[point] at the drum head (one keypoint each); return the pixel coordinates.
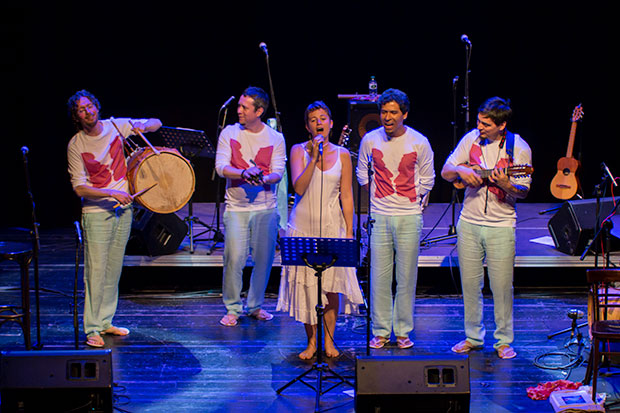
(174, 177)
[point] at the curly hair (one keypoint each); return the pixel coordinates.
(72, 106)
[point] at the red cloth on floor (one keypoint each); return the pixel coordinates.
(544, 390)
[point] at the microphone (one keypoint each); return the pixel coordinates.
(455, 80)
(78, 231)
(25, 150)
(466, 40)
(606, 170)
(263, 46)
(321, 148)
(230, 99)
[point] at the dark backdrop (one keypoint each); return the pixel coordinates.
(180, 61)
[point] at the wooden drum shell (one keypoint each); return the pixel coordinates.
(172, 173)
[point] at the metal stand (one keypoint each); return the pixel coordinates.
(78, 248)
(575, 334)
(603, 228)
(192, 144)
(319, 254)
(35, 250)
(369, 225)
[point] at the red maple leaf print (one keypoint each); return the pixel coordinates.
(405, 181)
(383, 176)
(475, 155)
(98, 174)
(263, 159)
(499, 192)
(118, 165)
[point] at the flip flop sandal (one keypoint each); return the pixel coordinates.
(229, 320)
(378, 342)
(95, 341)
(464, 347)
(116, 331)
(404, 342)
(506, 352)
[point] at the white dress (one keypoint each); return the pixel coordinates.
(298, 284)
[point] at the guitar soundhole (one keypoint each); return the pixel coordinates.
(566, 171)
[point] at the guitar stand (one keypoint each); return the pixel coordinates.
(317, 254)
(194, 143)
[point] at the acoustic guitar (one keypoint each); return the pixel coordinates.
(565, 183)
(518, 171)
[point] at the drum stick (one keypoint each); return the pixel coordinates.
(131, 146)
(146, 140)
(136, 194)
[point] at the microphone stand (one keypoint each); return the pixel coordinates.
(452, 229)
(78, 247)
(36, 248)
(271, 92)
(604, 228)
(218, 236)
(466, 86)
(284, 179)
(369, 225)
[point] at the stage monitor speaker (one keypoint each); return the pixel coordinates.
(419, 383)
(155, 234)
(54, 381)
(573, 226)
(363, 117)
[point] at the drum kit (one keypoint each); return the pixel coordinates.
(161, 179)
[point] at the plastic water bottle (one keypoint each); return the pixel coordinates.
(372, 86)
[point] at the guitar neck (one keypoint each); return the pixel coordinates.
(571, 139)
(485, 173)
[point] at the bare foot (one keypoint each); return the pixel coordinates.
(308, 353)
(331, 351)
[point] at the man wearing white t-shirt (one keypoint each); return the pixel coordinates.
(486, 227)
(252, 158)
(98, 169)
(401, 161)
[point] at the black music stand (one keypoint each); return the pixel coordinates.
(192, 144)
(319, 254)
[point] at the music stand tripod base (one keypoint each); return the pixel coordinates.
(319, 254)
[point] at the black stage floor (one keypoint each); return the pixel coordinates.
(178, 357)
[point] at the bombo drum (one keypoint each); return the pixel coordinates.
(172, 173)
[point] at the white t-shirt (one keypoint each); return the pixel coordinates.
(99, 161)
(403, 170)
(488, 204)
(238, 147)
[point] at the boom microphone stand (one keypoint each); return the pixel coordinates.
(465, 106)
(467, 42)
(263, 46)
(282, 186)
